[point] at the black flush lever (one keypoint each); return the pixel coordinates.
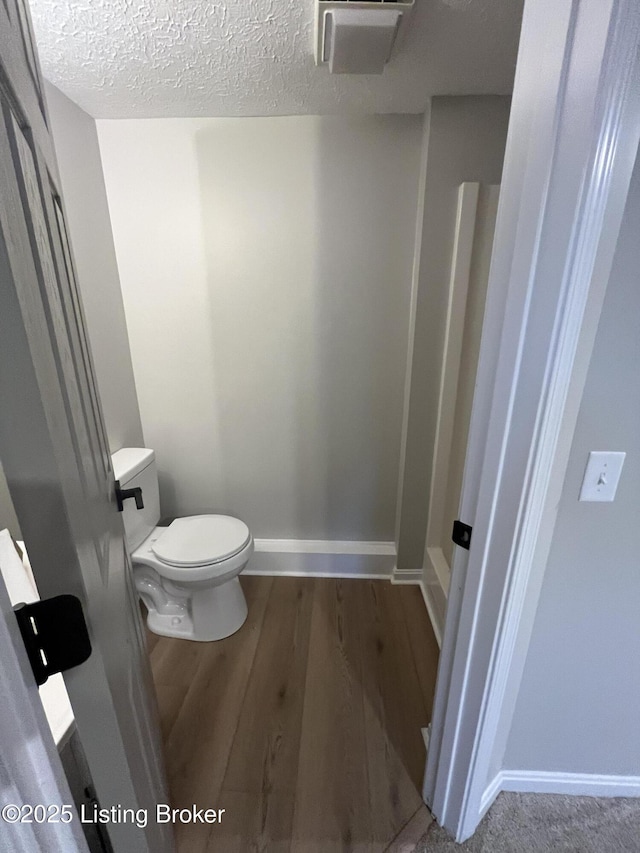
(124, 494)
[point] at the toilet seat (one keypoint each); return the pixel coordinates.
(201, 540)
(217, 571)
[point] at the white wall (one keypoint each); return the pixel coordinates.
(465, 139)
(76, 143)
(266, 271)
(579, 699)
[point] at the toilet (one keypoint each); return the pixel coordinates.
(186, 573)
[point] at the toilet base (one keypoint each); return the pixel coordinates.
(202, 613)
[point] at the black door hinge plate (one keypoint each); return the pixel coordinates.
(461, 534)
(55, 635)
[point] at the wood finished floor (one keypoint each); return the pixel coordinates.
(305, 725)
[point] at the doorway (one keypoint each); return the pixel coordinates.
(462, 798)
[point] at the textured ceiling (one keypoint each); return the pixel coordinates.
(153, 58)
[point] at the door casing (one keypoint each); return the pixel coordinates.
(573, 137)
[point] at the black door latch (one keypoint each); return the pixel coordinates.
(124, 494)
(461, 534)
(54, 634)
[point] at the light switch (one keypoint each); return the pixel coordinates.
(602, 475)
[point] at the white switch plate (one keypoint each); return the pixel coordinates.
(602, 475)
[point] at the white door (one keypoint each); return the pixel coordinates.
(475, 227)
(55, 455)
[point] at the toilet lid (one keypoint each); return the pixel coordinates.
(201, 539)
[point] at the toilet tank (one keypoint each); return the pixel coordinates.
(136, 466)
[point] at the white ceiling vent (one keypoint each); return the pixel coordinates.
(354, 37)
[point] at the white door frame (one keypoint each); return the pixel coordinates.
(572, 142)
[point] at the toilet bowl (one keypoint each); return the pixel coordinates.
(187, 573)
(187, 576)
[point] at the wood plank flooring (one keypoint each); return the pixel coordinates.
(305, 724)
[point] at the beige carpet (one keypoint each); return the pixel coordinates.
(539, 823)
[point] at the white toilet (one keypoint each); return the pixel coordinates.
(187, 573)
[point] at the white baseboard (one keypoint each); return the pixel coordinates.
(491, 792)
(406, 575)
(436, 567)
(573, 784)
(435, 608)
(322, 559)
